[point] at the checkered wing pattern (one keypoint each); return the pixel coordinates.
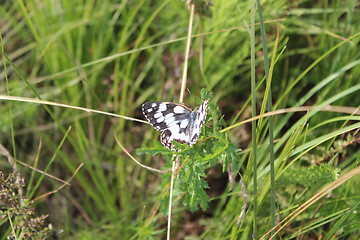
(175, 121)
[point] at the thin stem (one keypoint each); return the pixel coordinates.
(269, 107)
(188, 43)
(9, 104)
(183, 87)
(136, 161)
(253, 104)
(44, 102)
(173, 172)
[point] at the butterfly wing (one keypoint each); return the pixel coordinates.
(170, 118)
(198, 122)
(161, 115)
(175, 121)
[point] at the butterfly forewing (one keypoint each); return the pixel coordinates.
(176, 122)
(162, 114)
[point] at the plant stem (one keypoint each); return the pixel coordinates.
(271, 122)
(182, 91)
(253, 104)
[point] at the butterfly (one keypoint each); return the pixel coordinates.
(175, 121)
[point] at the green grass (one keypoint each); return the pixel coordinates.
(90, 59)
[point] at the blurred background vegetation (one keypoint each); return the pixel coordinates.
(115, 55)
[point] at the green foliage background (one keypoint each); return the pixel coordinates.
(115, 55)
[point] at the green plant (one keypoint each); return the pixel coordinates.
(70, 67)
(16, 211)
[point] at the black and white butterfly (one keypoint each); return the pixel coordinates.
(175, 121)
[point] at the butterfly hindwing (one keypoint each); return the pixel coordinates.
(198, 123)
(175, 121)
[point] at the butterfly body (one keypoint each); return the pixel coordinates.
(175, 121)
